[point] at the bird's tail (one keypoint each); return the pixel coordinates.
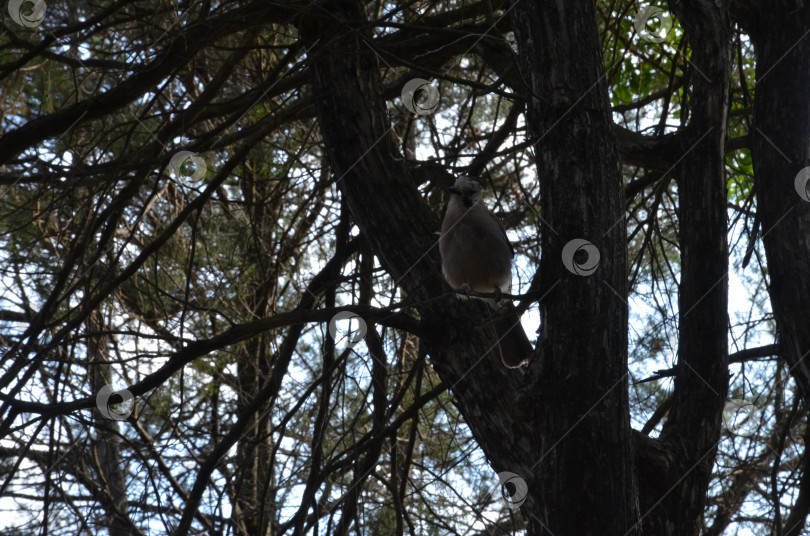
(514, 345)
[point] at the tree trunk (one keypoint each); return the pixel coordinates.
(780, 152)
(781, 130)
(255, 487)
(585, 477)
(692, 429)
(106, 448)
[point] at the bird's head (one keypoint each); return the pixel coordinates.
(467, 189)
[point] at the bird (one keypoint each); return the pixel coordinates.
(477, 256)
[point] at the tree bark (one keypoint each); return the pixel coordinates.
(107, 450)
(781, 129)
(585, 476)
(692, 430)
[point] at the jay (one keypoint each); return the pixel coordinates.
(476, 255)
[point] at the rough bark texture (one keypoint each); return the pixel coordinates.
(585, 478)
(254, 489)
(692, 430)
(780, 151)
(781, 130)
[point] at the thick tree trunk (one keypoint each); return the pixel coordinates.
(780, 32)
(692, 430)
(585, 478)
(781, 150)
